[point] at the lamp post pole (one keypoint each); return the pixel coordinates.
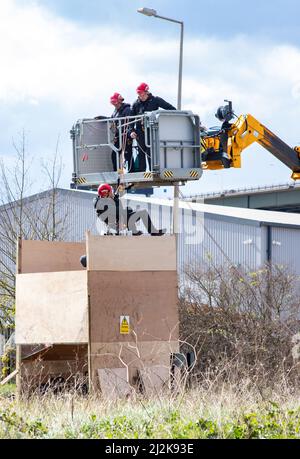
(151, 12)
(180, 67)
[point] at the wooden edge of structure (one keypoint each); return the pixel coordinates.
(9, 377)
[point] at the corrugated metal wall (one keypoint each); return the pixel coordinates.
(286, 247)
(212, 239)
(229, 242)
(77, 208)
(203, 238)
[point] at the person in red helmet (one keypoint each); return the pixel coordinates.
(110, 210)
(145, 102)
(105, 190)
(121, 110)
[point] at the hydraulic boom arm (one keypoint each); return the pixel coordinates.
(222, 148)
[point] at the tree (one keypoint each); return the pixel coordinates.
(242, 323)
(37, 217)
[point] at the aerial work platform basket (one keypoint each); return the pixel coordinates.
(172, 140)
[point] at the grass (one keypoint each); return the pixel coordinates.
(8, 390)
(227, 412)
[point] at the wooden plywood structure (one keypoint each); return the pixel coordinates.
(152, 313)
(65, 363)
(52, 308)
(134, 277)
(114, 294)
(48, 256)
(127, 277)
(144, 253)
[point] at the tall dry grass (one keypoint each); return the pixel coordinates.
(213, 409)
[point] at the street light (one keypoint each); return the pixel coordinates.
(151, 12)
(147, 11)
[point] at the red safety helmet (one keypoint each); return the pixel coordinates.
(143, 87)
(102, 188)
(116, 97)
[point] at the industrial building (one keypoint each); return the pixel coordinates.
(281, 197)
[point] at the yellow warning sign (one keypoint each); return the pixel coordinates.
(124, 325)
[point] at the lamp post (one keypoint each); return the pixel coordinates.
(151, 12)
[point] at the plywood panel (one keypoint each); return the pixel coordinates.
(148, 298)
(155, 379)
(52, 308)
(55, 352)
(113, 382)
(46, 256)
(134, 355)
(140, 253)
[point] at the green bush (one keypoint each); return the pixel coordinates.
(15, 426)
(270, 422)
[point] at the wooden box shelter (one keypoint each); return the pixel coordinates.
(115, 322)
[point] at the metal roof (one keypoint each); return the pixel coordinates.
(264, 217)
(281, 187)
(31, 198)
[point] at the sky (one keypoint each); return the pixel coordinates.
(63, 59)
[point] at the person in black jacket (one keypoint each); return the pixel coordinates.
(121, 110)
(146, 102)
(110, 210)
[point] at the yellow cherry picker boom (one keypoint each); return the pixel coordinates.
(221, 148)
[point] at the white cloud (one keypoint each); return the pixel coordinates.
(51, 62)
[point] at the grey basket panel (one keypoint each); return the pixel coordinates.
(97, 159)
(176, 128)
